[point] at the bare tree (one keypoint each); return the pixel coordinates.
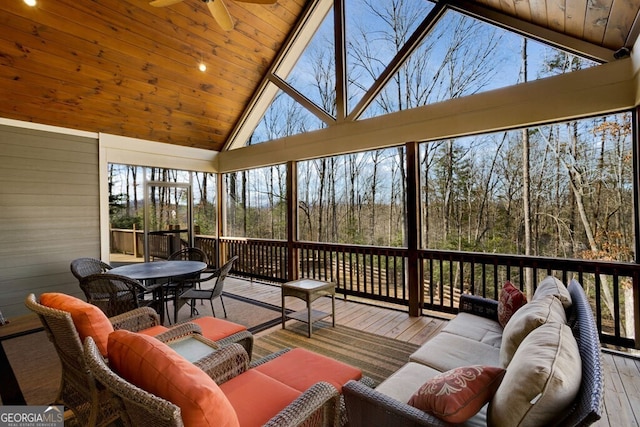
(526, 192)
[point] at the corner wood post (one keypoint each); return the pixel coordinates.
(413, 229)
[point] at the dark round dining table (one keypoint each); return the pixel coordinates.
(144, 271)
(159, 269)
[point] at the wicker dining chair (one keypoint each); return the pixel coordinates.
(82, 267)
(116, 294)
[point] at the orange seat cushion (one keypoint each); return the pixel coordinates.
(256, 397)
(160, 370)
(154, 330)
(88, 319)
(300, 369)
(215, 329)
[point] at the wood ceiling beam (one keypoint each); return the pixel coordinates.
(596, 90)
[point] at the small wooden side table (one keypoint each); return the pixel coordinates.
(308, 290)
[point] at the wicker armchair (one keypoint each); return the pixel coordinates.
(315, 407)
(82, 267)
(78, 389)
(115, 294)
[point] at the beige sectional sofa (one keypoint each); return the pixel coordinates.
(549, 348)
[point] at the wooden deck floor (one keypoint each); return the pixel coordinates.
(622, 378)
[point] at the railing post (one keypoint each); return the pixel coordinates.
(135, 241)
(292, 220)
(413, 228)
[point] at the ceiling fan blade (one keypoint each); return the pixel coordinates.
(221, 14)
(258, 1)
(163, 3)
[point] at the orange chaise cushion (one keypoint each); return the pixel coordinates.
(300, 369)
(154, 330)
(88, 319)
(216, 329)
(257, 397)
(160, 370)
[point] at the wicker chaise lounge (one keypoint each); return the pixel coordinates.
(251, 397)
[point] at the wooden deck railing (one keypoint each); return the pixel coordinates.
(380, 274)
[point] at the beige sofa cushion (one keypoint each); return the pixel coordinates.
(404, 382)
(446, 351)
(477, 328)
(530, 316)
(542, 379)
(552, 286)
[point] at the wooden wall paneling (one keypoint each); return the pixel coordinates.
(575, 17)
(539, 12)
(118, 44)
(119, 59)
(49, 209)
(523, 9)
(556, 15)
(595, 20)
(508, 6)
(621, 18)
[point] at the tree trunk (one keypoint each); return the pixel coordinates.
(526, 189)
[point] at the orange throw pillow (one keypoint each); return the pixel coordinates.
(457, 395)
(157, 368)
(89, 320)
(511, 299)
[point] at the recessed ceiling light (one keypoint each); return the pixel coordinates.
(202, 67)
(30, 2)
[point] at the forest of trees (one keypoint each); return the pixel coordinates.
(561, 189)
(472, 194)
(557, 190)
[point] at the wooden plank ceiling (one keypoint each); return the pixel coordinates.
(126, 68)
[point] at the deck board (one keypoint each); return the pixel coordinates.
(622, 374)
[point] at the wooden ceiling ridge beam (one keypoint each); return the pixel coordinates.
(545, 35)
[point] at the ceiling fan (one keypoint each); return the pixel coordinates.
(216, 7)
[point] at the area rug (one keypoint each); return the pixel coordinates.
(255, 315)
(376, 355)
